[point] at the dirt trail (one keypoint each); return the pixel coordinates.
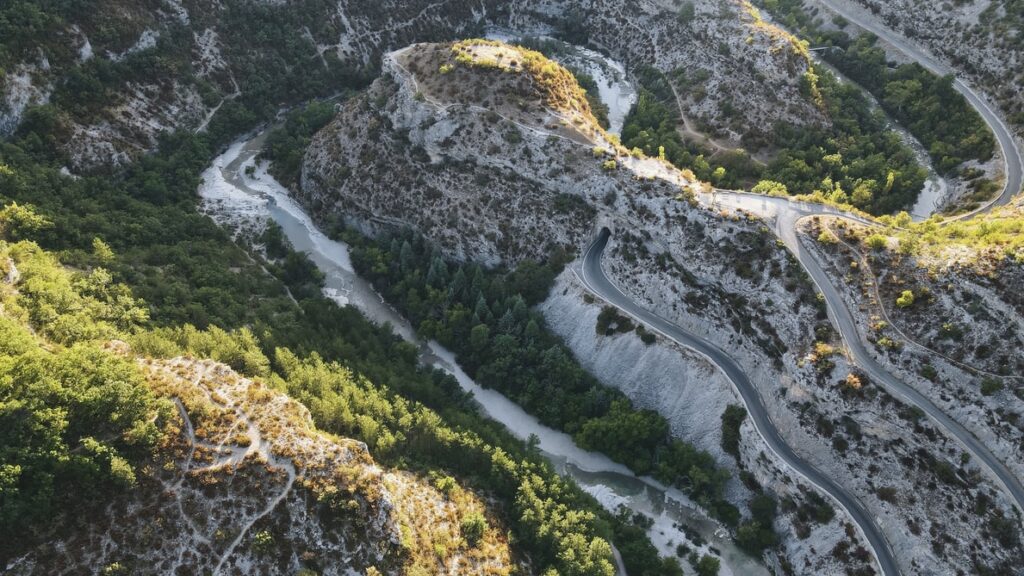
(258, 446)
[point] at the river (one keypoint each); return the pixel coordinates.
(238, 193)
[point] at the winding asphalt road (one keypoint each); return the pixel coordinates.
(595, 280)
(786, 215)
(1004, 136)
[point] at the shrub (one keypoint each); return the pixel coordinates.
(929, 372)
(609, 322)
(115, 569)
(445, 484)
(473, 528)
(732, 419)
(853, 381)
(886, 342)
(875, 241)
(263, 541)
(887, 494)
(990, 386)
(687, 12)
(905, 299)
(707, 566)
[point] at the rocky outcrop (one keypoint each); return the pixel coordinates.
(19, 91)
(243, 481)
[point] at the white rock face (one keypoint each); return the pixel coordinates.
(146, 41)
(19, 92)
(134, 125)
(679, 384)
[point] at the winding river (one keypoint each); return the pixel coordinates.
(238, 193)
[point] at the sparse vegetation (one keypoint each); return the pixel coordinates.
(559, 86)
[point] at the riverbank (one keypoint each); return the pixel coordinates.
(240, 195)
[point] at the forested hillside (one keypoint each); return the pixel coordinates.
(141, 224)
(91, 451)
(951, 131)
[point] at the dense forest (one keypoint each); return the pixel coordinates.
(924, 103)
(73, 418)
(859, 160)
(485, 316)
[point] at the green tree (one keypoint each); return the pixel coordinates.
(473, 528)
(102, 251)
(770, 188)
(876, 242)
(708, 566)
(17, 222)
(732, 419)
(905, 299)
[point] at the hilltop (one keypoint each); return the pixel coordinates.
(510, 80)
(520, 136)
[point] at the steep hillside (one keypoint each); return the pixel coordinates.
(112, 76)
(115, 74)
(186, 465)
(383, 158)
(501, 187)
(242, 480)
(940, 303)
(984, 40)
